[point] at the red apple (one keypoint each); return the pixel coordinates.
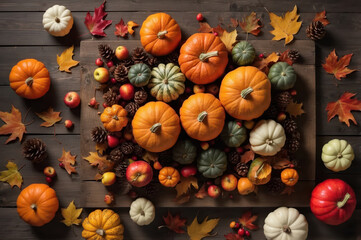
(121, 52)
(49, 179)
(189, 171)
(113, 141)
(99, 62)
(72, 99)
(214, 191)
(68, 124)
(101, 75)
(126, 91)
(139, 173)
(109, 178)
(229, 182)
(110, 64)
(49, 172)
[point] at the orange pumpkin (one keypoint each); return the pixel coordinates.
(37, 204)
(168, 176)
(245, 186)
(202, 116)
(156, 126)
(203, 58)
(114, 118)
(30, 79)
(289, 176)
(245, 93)
(160, 34)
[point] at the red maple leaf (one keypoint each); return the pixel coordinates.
(122, 29)
(321, 17)
(233, 236)
(96, 24)
(247, 220)
(285, 58)
(338, 68)
(174, 223)
(343, 107)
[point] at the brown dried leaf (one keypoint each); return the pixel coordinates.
(264, 63)
(204, 27)
(198, 231)
(13, 125)
(288, 190)
(185, 184)
(69, 161)
(229, 39)
(202, 192)
(250, 24)
(295, 109)
(103, 164)
(321, 17)
(50, 117)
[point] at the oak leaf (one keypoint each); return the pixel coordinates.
(12, 175)
(71, 214)
(174, 223)
(343, 107)
(103, 164)
(50, 117)
(131, 25)
(96, 24)
(229, 39)
(250, 24)
(247, 220)
(295, 109)
(285, 26)
(264, 63)
(121, 29)
(247, 155)
(65, 60)
(338, 68)
(13, 125)
(202, 192)
(185, 184)
(198, 231)
(321, 17)
(233, 236)
(69, 161)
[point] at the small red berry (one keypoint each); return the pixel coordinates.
(239, 124)
(61, 165)
(134, 158)
(200, 17)
(49, 179)
(240, 149)
(292, 165)
(105, 105)
(293, 92)
(215, 34)
(237, 225)
(261, 55)
(209, 183)
(241, 232)
(112, 80)
(99, 62)
(68, 124)
(110, 64)
(93, 103)
(248, 233)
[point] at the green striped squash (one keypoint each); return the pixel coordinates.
(282, 76)
(139, 75)
(233, 135)
(243, 53)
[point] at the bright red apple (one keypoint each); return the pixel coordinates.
(214, 191)
(126, 91)
(139, 173)
(99, 62)
(68, 124)
(49, 172)
(108, 178)
(113, 141)
(188, 171)
(229, 182)
(121, 52)
(101, 75)
(110, 64)
(72, 99)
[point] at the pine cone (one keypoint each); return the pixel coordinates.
(112, 69)
(110, 97)
(138, 151)
(106, 52)
(139, 55)
(34, 149)
(140, 97)
(127, 148)
(271, 112)
(275, 185)
(234, 157)
(153, 62)
(296, 135)
(121, 168)
(121, 73)
(132, 108)
(165, 158)
(99, 135)
(315, 30)
(289, 125)
(127, 62)
(242, 169)
(294, 55)
(282, 100)
(292, 144)
(116, 155)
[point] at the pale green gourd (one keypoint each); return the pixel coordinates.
(282, 76)
(337, 155)
(212, 163)
(233, 135)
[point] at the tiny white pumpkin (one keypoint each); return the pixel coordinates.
(337, 155)
(267, 138)
(285, 224)
(58, 21)
(142, 211)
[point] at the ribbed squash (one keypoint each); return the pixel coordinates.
(212, 163)
(282, 76)
(114, 118)
(139, 75)
(184, 152)
(233, 135)
(243, 53)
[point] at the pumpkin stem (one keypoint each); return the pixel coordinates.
(155, 128)
(33, 206)
(246, 91)
(339, 155)
(57, 20)
(202, 116)
(115, 117)
(162, 34)
(259, 169)
(344, 201)
(29, 81)
(204, 56)
(100, 232)
(283, 74)
(269, 141)
(286, 229)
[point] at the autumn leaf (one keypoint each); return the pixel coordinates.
(288, 190)
(65, 60)
(101, 147)
(285, 58)
(280, 160)
(285, 26)
(174, 223)
(219, 30)
(103, 164)
(12, 175)
(198, 231)
(185, 184)
(229, 39)
(69, 161)
(234, 22)
(121, 29)
(71, 214)
(343, 107)
(183, 198)
(150, 157)
(295, 109)
(96, 24)
(321, 17)
(233, 236)
(247, 220)
(202, 192)
(131, 25)
(204, 27)
(50, 117)
(250, 24)
(13, 124)
(338, 68)
(264, 63)
(247, 155)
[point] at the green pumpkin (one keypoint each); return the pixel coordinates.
(139, 75)
(184, 152)
(233, 135)
(167, 82)
(282, 76)
(212, 163)
(243, 53)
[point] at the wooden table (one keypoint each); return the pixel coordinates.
(22, 36)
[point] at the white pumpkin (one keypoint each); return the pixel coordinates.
(142, 211)
(337, 155)
(285, 224)
(267, 138)
(58, 21)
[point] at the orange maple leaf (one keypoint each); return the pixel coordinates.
(185, 184)
(174, 223)
(204, 27)
(13, 125)
(343, 107)
(247, 220)
(264, 63)
(285, 58)
(321, 17)
(247, 155)
(50, 117)
(65, 60)
(202, 192)
(338, 68)
(103, 164)
(69, 161)
(295, 109)
(131, 25)
(250, 24)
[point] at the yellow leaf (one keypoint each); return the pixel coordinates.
(295, 109)
(198, 231)
(71, 214)
(263, 64)
(13, 124)
(12, 175)
(185, 184)
(50, 117)
(286, 26)
(132, 25)
(65, 60)
(229, 39)
(101, 147)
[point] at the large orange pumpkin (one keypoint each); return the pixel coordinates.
(202, 116)
(245, 93)
(160, 34)
(156, 126)
(203, 58)
(30, 79)
(169, 176)
(37, 204)
(114, 118)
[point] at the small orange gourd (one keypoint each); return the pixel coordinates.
(160, 34)
(169, 176)
(30, 79)
(245, 93)
(202, 116)
(114, 118)
(289, 176)
(245, 186)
